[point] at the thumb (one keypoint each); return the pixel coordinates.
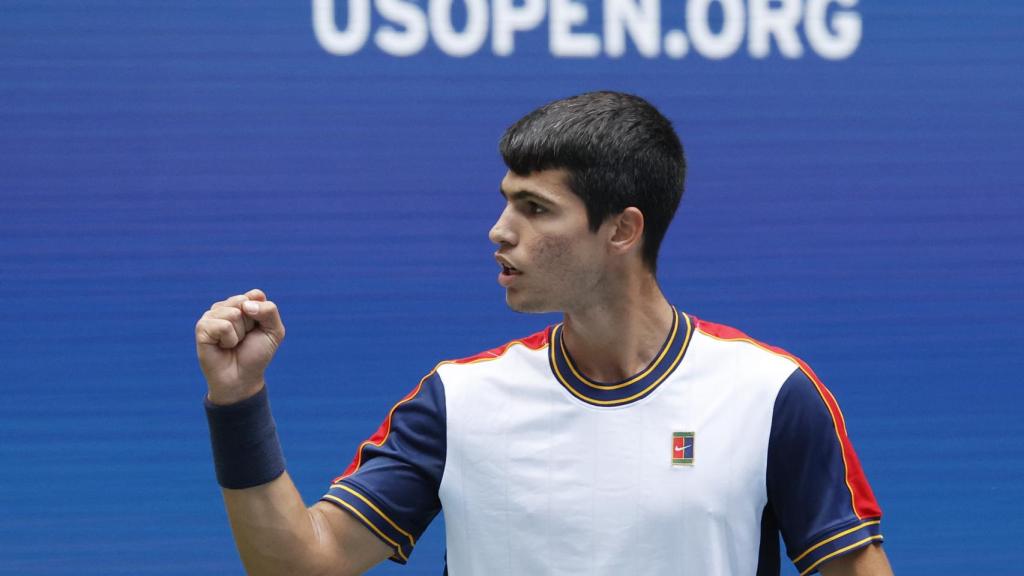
(265, 313)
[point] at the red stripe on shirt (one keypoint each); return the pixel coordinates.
(381, 435)
(862, 499)
(533, 342)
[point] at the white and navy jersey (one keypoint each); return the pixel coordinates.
(692, 467)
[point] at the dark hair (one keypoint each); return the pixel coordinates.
(619, 152)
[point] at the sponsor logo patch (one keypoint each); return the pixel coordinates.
(682, 448)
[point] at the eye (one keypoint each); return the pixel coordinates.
(534, 208)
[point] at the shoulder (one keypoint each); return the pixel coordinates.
(533, 342)
(725, 346)
(737, 339)
(528, 348)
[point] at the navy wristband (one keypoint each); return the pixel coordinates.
(246, 451)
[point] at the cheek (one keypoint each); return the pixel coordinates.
(561, 256)
(551, 251)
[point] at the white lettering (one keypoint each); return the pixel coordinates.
(508, 19)
(781, 22)
(335, 41)
(401, 42)
(643, 21)
(847, 26)
(676, 44)
(709, 44)
(564, 43)
(448, 39)
(713, 29)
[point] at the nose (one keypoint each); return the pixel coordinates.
(502, 233)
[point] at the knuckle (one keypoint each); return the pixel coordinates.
(226, 313)
(227, 302)
(206, 332)
(226, 332)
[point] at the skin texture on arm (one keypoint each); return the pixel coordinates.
(274, 531)
(276, 534)
(868, 561)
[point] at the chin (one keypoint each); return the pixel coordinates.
(526, 306)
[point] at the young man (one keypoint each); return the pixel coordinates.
(632, 438)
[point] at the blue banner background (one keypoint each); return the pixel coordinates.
(157, 156)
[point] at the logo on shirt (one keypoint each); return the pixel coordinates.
(682, 448)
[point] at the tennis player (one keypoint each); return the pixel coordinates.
(631, 438)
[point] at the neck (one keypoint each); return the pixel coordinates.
(619, 336)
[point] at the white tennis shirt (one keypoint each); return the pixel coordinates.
(692, 467)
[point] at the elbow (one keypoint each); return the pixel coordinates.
(328, 554)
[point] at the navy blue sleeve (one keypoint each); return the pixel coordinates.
(393, 481)
(817, 491)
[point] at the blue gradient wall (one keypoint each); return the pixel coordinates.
(862, 211)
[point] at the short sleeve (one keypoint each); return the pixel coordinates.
(392, 484)
(817, 491)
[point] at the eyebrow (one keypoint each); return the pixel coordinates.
(524, 195)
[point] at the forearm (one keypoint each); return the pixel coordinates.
(274, 531)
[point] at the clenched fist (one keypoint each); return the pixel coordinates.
(236, 339)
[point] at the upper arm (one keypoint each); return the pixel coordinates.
(817, 491)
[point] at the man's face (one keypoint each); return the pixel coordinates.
(550, 259)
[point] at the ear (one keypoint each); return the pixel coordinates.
(628, 232)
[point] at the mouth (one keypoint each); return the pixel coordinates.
(508, 271)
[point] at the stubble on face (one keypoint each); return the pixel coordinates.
(563, 277)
